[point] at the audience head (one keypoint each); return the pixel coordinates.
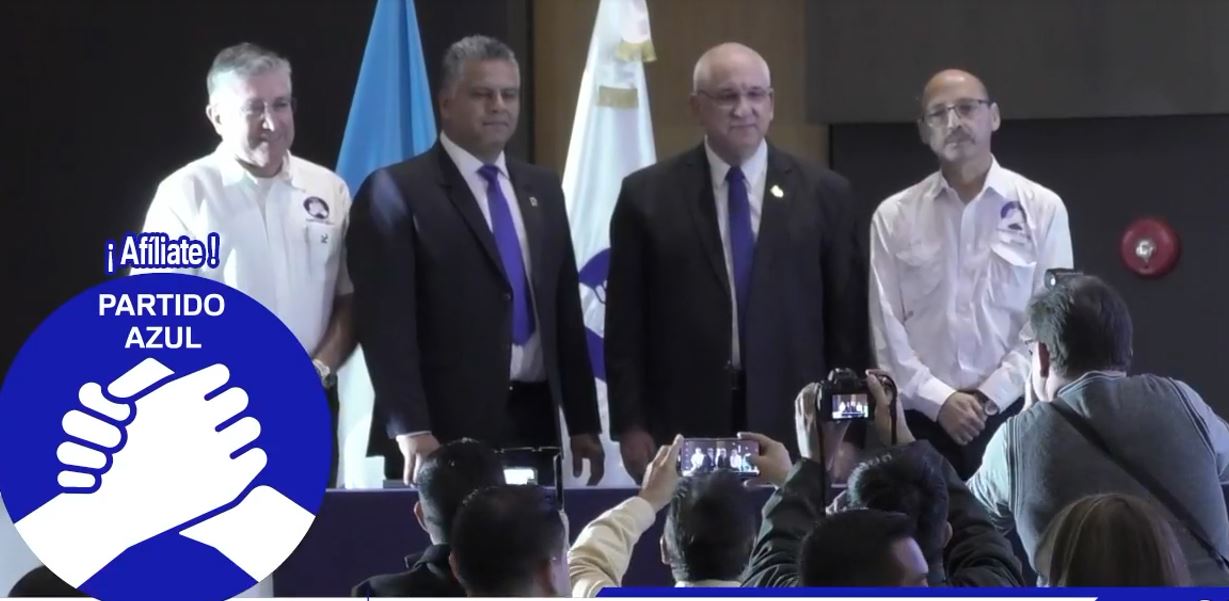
(862, 547)
(710, 528)
(1111, 540)
(510, 541)
(42, 582)
(732, 98)
(907, 480)
(480, 95)
(958, 117)
(447, 476)
(1080, 324)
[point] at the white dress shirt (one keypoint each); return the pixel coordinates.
(950, 283)
(755, 170)
(527, 364)
(281, 239)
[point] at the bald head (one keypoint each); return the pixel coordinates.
(732, 100)
(730, 56)
(958, 118)
(953, 78)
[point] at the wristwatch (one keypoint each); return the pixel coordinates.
(987, 403)
(328, 379)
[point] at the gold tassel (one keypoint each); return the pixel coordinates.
(639, 51)
(620, 98)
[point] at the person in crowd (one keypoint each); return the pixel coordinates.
(957, 540)
(510, 541)
(954, 261)
(1111, 540)
(1084, 435)
(447, 476)
(862, 547)
(710, 525)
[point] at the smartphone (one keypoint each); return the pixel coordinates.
(704, 455)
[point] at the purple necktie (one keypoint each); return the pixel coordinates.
(742, 246)
(509, 247)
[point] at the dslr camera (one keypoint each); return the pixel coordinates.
(845, 397)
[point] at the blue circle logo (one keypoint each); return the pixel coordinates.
(163, 435)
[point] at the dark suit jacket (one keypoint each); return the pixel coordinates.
(429, 576)
(433, 308)
(668, 311)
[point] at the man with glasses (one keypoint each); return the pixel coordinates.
(736, 275)
(281, 220)
(954, 262)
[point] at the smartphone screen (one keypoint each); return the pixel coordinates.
(704, 455)
(521, 475)
(850, 406)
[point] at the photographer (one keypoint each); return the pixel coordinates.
(962, 550)
(710, 525)
(1098, 430)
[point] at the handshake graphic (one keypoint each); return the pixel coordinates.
(154, 461)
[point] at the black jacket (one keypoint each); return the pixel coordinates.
(433, 306)
(429, 576)
(977, 555)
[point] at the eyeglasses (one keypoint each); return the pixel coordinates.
(257, 109)
(965, 109)
(728, 99)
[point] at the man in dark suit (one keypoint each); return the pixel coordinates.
(467, 301)
(446, 477)
(737, 275)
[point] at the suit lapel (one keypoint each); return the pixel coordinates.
(531, 216)
(698, 194)
(459, 194)
(779, 188)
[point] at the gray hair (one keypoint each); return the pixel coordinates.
(243, 60)
(474, 47)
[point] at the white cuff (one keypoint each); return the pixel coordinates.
(930, 397)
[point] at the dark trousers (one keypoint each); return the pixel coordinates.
(334, 411)
(967, 458)
(530, 417)
(738, 402)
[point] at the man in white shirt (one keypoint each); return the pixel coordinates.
(281, 220)
(954, 262)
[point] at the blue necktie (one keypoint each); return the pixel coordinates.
(509, 247)
(742, 246)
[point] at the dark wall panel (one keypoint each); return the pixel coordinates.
(868, 59)
(1109, 172)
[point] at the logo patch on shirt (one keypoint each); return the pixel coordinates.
(1012, 217)
(316, 208)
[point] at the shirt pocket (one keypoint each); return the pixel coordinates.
(921, 271)
(1012, 266)
(324, 241)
